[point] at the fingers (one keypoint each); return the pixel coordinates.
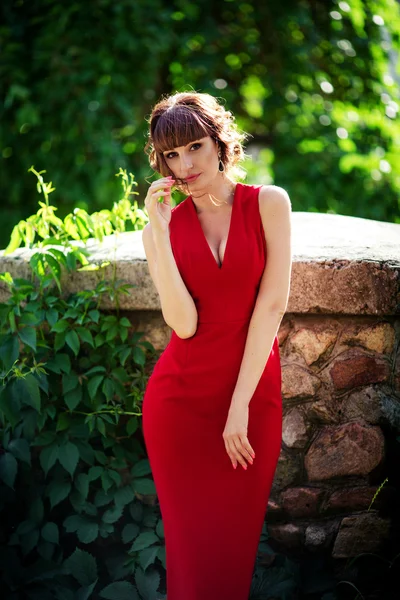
(239, 449)
(157, 190)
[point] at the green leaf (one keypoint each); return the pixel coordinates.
(48, 457)
(144, 540)
(132, 425)
(8, 469)
(85, 336)
(129, 532)
(63, 421)
(29, 541)
(94, 315)
(69, 382)
(10, 405)
(28, 392)
(50, 533)
(95, 473)
(93, 385)
(59, 341)
(119, 590)
(82, 566)
(144, 486)
(85, 592)
(139, 356)
(28, 336)
(88, 532)
(28, 318)
(82, 484)
(100, 426)
(58, 491)
(148, 582)
(115, 476)
(60, 326)
(63, 361)
(113, 514)
(44, 438)
(160, 529)
(73, 398)
(123, 355)
(73, 522)
(124, 496)
(142, 467)
(52, 316)
(108, 389)
(20, 449)
(97, 369)
(72, 341)
(147, 557)
(9, 351)
(125, 322)
(102, 498)
(68, 455)
(106, 481)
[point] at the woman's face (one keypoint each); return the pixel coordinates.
(199, 157)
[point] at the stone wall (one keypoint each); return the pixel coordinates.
(340, 353)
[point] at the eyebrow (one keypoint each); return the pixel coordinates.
(192, 142)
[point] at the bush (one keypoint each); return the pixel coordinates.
(78, 517)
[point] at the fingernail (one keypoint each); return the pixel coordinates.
(244, 467)
(234, 466)
(253, 455)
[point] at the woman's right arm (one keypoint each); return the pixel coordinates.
(177, 305)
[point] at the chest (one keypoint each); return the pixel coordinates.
(216, 233)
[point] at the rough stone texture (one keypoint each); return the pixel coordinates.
(353, 369)
(352, 499)
(341, 265)
(350, 449)
(288, 471)
(301, 501)
(298, 382)
(324, 409)
(294, 429)
(274, 508)
(312, 344)
(289, 535)
(378, 337)
(315, 537)
(362, 405)
(360, 533)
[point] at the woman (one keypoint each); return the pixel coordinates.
(221, 263)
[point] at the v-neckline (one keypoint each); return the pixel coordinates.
(192, 204)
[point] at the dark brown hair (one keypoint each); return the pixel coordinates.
(178, 119)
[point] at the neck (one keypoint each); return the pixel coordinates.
(215, 197)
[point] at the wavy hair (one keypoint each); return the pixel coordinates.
(181, 118)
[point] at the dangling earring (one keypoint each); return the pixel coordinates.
(221, 166)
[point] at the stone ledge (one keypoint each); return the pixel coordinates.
(341, 265)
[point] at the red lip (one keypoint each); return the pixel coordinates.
(192, 177)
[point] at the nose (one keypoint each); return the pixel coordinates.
(186, 162)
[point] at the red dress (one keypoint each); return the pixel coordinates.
(213, 514)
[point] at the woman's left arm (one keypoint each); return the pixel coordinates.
(273, 294)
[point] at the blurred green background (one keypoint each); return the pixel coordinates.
(315, 82)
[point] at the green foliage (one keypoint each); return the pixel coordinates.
(76, 493)
(316, 84)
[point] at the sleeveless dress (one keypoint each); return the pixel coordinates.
(212, 513)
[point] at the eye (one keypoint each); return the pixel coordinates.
(171, 154)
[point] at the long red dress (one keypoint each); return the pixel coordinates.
(213, 514)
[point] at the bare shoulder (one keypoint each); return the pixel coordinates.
(274, 201)
(276, 213)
